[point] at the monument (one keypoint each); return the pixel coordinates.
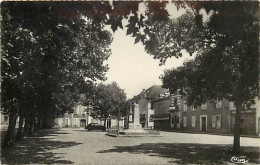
(135, 125)
(135, 128)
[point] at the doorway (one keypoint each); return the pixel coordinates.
(82, 123)
(203, 123)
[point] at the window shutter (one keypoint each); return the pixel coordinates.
(218, 119)
(213, 121)
(193, 120)
(184, 106)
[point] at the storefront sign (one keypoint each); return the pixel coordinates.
(161, 117)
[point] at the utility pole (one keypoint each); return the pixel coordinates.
(118, 117)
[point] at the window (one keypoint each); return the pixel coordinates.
(218, 104)
(204, 106)
(67, 121)
(184, 121)
(218, 121)
(213, 121)
(151, 118)
(76, 122)
(184, 106)
(232, 106)
(177, 119)
(193, 108)
(193, 121)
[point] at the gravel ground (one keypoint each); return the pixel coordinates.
(78, 146)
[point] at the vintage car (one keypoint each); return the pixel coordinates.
(95, 126)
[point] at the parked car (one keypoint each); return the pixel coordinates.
(95, 126)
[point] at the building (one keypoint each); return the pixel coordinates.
(81, 117)
(4, 119)
(172, 112)
(162, 115)
(144, 100)
(209, 117)
(218, 117)
(167, 111)
(250, 119)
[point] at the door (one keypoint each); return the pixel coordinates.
(108, 123)
(203, 124)
(82, 123)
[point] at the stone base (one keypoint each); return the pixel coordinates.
(135, 126)
(130, 132)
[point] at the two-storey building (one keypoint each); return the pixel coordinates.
(173, 112)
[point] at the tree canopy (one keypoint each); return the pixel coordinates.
(109, 101)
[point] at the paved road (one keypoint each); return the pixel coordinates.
(79, 146)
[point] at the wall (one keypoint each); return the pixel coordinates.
(247, 123)
(210, 111)
(161, 107)
(150, 112)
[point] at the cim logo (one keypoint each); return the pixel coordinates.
(239, 160)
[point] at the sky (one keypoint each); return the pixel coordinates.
(131, 67)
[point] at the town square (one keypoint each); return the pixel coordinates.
(78, 146)
(130, 82)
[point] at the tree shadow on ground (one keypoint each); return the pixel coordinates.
(36, 150)
(184, 153)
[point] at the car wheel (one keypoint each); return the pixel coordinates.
(104, 129)
(89, 129)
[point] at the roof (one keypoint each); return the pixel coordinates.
(150, 93)
(154, 91)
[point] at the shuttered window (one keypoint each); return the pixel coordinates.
(193, 121)
(185, 121)
(218, 121)
(213, 121)
(218, 104)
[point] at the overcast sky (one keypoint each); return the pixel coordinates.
(131, 67)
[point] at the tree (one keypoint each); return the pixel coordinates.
(108, 101)
(43, 67)
(227, 64)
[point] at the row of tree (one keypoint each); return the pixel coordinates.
(48, 61)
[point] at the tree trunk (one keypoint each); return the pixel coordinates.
(26, 126)
(236, 143)
(39, 123)
(35, 128)
(20, 129)
(9, 137)
(30, 132)
(105, 122)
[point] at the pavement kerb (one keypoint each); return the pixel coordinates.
(210, 133)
